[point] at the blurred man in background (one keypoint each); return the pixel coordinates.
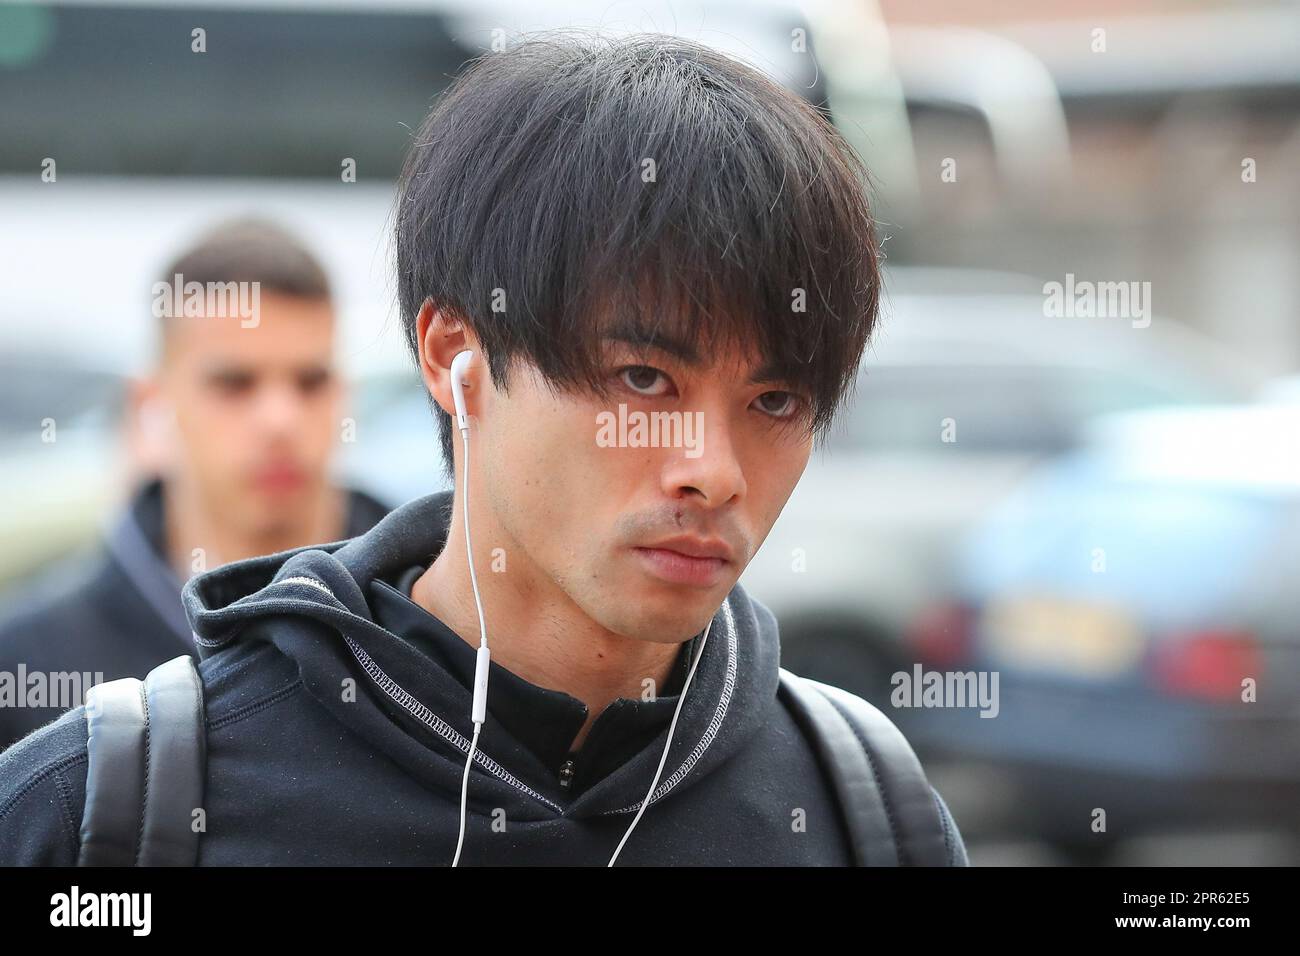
(239, 420)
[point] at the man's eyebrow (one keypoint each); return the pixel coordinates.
(224, 367)
(639, 337)
(644, 338)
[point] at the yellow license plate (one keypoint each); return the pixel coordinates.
(1045, 633)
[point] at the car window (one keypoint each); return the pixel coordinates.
(1087, 392)
(278, 92)
(32, 393)
(906, 408)
(998, 408)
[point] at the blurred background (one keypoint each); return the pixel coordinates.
(1101, 507)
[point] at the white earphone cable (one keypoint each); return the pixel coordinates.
(464, 792)
(664, 756)
(480, 676)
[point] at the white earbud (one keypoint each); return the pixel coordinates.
(459, 366)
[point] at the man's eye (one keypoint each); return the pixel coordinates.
(787, 404)
(232, 384)
(313, 381)
(641, 378)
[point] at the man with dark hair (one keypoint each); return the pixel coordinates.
(248, 400)
(665, 269)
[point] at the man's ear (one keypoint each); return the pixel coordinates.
(149, 425)
(442, 335)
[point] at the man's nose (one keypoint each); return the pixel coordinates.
(710, 468)
(279, 407)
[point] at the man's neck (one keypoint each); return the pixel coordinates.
(534, 629)
(189, 524)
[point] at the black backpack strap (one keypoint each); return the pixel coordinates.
(147, 746)
(893, 815)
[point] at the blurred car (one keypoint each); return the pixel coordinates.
(967, 386)
(59, 443)
(1137, 599)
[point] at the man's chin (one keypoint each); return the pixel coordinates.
(668, 612)
(270, 517)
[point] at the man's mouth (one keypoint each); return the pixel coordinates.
(675, 567)
(279, 478)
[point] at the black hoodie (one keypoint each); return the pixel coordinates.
(334, 740)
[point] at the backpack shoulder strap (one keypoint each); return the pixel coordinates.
(893, 814)
(147, 746)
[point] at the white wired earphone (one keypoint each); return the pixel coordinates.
(459, 367)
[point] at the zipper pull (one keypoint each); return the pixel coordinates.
(566, 773)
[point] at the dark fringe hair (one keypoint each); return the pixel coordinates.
(527, 177)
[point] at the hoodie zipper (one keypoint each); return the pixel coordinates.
(412, 706)
(408, 702)
(567, 771)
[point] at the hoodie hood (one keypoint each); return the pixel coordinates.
(313, 605)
